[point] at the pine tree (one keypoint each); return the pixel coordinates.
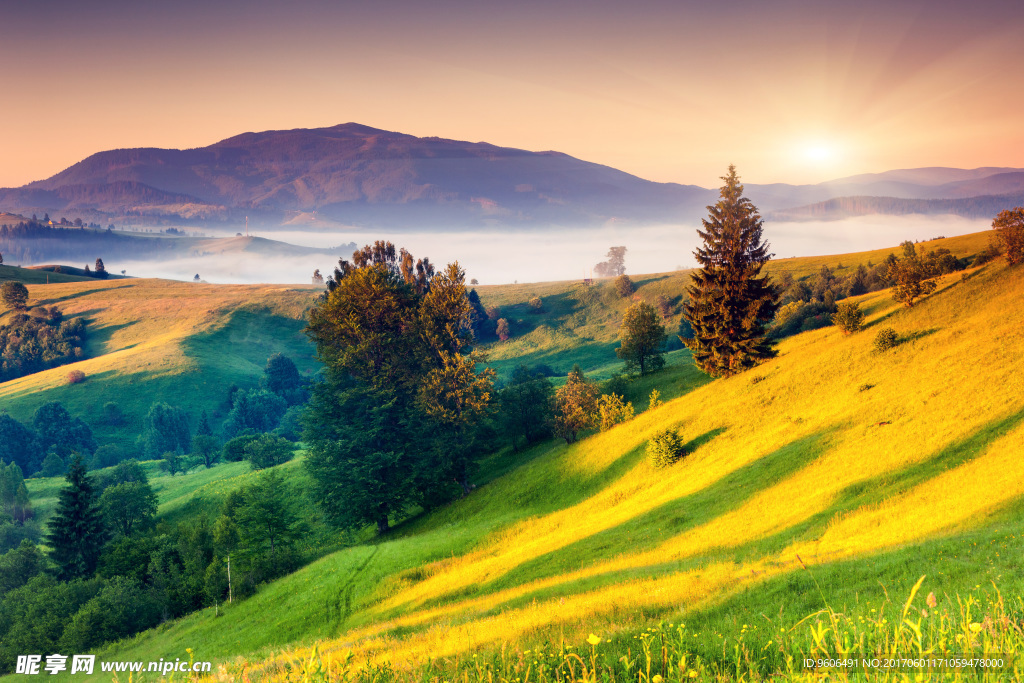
(730, 306)
(76, 532)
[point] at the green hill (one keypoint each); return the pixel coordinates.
(816, 490)
(155, 340)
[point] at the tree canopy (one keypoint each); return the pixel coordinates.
(395, 420)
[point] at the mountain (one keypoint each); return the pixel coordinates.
(353, 174)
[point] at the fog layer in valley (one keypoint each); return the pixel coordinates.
(495, 257)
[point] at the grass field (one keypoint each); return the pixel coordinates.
(818, 488)
(157, 340)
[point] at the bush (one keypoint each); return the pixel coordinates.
(613, 410)
(536, 304)
(849, 318)
(234, 450)
(503, 330)
(53, 466)
(665, 448)
(76, 377)
(886, 339)
(267, 451)
(624, 286)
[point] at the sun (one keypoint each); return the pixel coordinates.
(819, 153)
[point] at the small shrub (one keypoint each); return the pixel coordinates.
(76, 377)
(503, 330)
(536, 304)
(665, 448)
(624, 286)
(654, 400)
(613, 410)
(886, 339)
(757, 379)
(865, 387)
(616, 384)
(848, 317)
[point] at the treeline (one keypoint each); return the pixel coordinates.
(35, 241)
(112, 568)
(39, 340)
(113, 571)
(810, 302)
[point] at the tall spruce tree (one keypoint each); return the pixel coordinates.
(76, 531)
(730, 306)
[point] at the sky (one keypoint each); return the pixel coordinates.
(798, 91)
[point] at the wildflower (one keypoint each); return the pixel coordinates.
(693, 673)
(656, 678)
(593, 640)
(975, 627)
(932, 602)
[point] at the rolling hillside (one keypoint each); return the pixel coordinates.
(157, 340)
(830, 478)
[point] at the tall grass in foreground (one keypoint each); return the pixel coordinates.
(890, 643)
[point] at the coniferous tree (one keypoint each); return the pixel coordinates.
(101, 270)
(730, 306)
(76, 531)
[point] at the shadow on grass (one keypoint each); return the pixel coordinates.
(650, 529)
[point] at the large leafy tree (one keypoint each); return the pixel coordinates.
(60, 432)
(575, 406)
(910, 277)
(526, 405)
(395, 419)
(167, 430)
(76, 530)
(643, 339)
(18, 444)
(129, 507)
(1009, 227)
(730, 306)
(14, 294)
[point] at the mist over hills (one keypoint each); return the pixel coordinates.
(356, 175)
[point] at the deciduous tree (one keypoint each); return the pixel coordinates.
(1009, 227)
(575, 406)
(642, 339)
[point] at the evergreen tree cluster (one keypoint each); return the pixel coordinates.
(402, 414)
(39, 340)
(53, 431)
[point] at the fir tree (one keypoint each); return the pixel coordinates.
(76, 532)
(730, 306)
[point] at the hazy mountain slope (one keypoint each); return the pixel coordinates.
(357, 173)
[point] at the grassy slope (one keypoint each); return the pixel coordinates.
(871, 467)
(157, 340)
(770, 477)
(35, 276)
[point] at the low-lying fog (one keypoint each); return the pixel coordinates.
(499, 257)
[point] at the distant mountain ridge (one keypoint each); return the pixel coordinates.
(353, 174)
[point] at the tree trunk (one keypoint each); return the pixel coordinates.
(382, 525)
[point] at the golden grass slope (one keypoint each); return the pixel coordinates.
(898, 447)
(150, 340)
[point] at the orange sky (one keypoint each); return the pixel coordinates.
(670, 91)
